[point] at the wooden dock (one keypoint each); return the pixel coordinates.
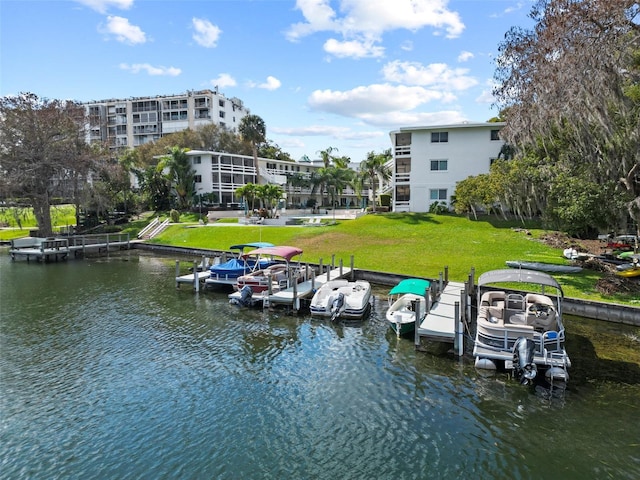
(61, 248)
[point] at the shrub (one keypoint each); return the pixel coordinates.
(174, 215)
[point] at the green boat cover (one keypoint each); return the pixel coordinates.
(416, 286)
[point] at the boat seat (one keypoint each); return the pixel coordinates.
(490, 314)
(515, 301)
(493, 298)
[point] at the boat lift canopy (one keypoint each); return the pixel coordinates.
(520, 276)
(282, 251)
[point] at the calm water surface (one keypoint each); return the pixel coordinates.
(107, 371)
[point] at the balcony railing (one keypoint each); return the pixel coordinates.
(403, 150)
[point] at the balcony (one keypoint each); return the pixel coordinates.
(403, 151)
(402, 178)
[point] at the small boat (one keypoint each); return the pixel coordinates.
(227, 273)
(629, 270)
(256, 286)
(520, 331)
(279, 275)
(341, 299)
(543, 267)
(402, 300)
(573, 254)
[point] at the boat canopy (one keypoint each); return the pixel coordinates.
(282, 251)
(242, 246)
(521, 276)
(417, 286)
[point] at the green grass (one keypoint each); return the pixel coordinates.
(61, 215)
(417, 244)
(17, 222)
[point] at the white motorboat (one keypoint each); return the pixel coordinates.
(402, 300)
(518, 330)
(341, 299)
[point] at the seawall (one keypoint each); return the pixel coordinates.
(611, 312)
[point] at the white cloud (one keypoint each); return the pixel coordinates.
(402, 119)
(366, 19)
(464, 56)
(272, 83)
(123, 30)
(486, 96)
(363, 102)
(343, 133)
(407, 45)
(206, 34)
(438, 75)
(151, 70)
(352, 48)
(224, 80)
(102, 6)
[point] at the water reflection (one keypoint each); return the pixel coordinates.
(128, 377)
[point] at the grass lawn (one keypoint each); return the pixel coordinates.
(418, 244)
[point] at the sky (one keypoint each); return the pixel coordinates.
(322, 74)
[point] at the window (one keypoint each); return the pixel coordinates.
(198, 178)
(221, 103)
(403, 193)
(439, 165)
(439, 137)
(197, 160)
(403, 165)
(221, 113)
(438, 194)
(403, 139)
(495, 134)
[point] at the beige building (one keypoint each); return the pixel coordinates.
(131, 122)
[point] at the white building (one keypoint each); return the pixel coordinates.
(429, 161)
(122, 123)
(223, 173)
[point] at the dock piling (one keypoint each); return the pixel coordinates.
(416, 336)
(352, 271)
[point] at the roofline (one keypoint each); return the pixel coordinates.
(450, 126)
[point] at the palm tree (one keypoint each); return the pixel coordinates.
(375, 170)
(336, 180)
(180, 174)
(253, 130)
(270, 194)
(326, 156)
(249, 193)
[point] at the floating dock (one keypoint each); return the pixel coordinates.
(440, 322)
(292, 296)
(61, 248)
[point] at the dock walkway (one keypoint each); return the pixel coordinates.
(439, 324)
(60, 248)
(291, 296)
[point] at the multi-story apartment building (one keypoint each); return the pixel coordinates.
(131, 122)
(223, 173)
(429, 161)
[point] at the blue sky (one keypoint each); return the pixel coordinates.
(321, 73)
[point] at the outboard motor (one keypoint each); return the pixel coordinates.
(336, 306)
(245, 297)
(524, 368)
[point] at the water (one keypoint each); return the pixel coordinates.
(107, 371)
